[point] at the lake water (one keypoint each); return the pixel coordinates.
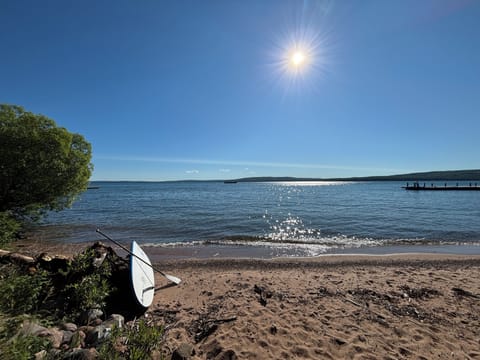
(287, 218)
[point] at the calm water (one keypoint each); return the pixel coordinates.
(310, 218)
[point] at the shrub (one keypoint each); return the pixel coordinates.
(86, 286)
(9, 228)
(23, 293)
(24, 347)
(134, 342)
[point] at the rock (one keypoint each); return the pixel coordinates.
(99, 259)
(67, 337)
(53, 264)
(69, 327)
(78, 339)
(273, 329)
(54, 335)
(183, 352)
(399, 331)
(97, 335)
(31, 328)
(89, 316)
(41, 355)
(81, 354)
(362, 338)
(86, 328)
(115, 320)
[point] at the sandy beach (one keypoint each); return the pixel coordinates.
(403, 306)
(339, 307)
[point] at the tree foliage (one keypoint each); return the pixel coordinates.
(42, 166)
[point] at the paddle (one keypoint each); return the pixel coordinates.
(173, 279)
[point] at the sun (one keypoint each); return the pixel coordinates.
(298, 59)
(299, 62)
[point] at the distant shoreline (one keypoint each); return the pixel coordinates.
(448, 175)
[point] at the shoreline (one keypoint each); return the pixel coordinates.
(33, 245)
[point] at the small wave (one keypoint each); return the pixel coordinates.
(308, 247)
(175, 244)
(428, 242)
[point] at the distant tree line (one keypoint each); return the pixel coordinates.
(449, 175)
(43, 167)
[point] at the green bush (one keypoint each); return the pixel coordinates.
(24, 347)
(9, 228)
(23, 293)
(133, 342)
(86, 285)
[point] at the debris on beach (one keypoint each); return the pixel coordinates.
(464, 293)
(207, 322)
(264, 294)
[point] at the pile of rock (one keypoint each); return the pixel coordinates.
(70, 341)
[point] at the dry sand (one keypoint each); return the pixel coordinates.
(388, 307)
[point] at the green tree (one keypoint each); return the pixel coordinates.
(42, 166)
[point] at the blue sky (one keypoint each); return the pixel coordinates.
(175, 89)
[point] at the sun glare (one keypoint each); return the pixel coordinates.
(298, 58)
(299, 61)
(301, 51)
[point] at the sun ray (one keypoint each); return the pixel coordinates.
(299, 56)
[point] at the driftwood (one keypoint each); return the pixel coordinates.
(56, 262)
(15, 258)
(352, 302)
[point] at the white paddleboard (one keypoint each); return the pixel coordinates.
(142, 277)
